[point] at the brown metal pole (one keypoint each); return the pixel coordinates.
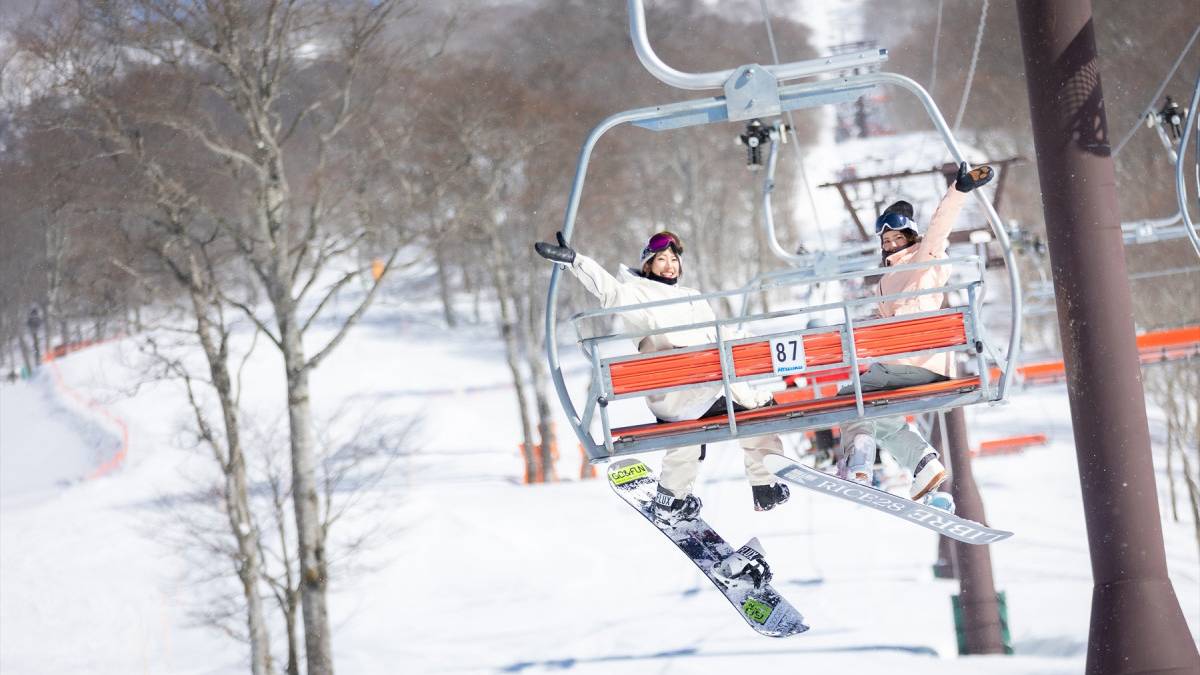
(976, 589)
(862, 229)
(945, 567)
(1136, 622)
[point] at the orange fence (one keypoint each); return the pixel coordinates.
(1004, 446)
(1153, 347)
(586, 470)
(50, 359)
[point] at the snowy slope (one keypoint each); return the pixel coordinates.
(49, 446)
(477, 573)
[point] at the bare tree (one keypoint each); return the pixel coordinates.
(224, 442)
(353, 462)
(277, 97)
(1175, 388)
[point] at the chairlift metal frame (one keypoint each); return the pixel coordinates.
(754, 91)
(1190, 124)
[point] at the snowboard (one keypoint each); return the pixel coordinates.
(741, 575)
(937, 520)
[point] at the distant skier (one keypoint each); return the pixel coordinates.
(657, 279)
(901, 243)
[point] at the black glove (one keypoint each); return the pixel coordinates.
(969, 180)
(560, 254)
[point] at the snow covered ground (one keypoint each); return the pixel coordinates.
(475, 573)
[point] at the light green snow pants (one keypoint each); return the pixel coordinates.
(891, 433)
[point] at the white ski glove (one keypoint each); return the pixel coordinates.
(763, 398)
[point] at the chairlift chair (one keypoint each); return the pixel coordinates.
(755, 91)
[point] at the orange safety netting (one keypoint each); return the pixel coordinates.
(51, 359)
(820, 349)
(643, 431)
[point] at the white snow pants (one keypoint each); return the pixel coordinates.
(893, 434)
(680, 466)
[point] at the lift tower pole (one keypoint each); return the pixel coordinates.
(1136, 622)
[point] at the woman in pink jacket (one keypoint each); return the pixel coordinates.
(901, 243)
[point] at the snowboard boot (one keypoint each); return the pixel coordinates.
(670, 511)
(858, 460)
(939, 500)
(927, 476)
(767, 497)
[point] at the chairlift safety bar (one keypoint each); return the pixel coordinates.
(784, 282)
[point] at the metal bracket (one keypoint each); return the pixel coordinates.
(752, 91)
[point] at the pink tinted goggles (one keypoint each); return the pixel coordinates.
(660, 242)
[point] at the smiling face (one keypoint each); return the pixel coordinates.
(892, 240)
(665, 264)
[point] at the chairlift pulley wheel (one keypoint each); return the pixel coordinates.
(1171, 118)
(754, 138)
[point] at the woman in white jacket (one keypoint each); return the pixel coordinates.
(657, 279)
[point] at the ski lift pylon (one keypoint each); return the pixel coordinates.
(752, 91)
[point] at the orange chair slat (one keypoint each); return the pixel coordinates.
(784, 409)
(754, 358)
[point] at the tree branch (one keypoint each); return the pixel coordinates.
(253, 318)
(355, 316)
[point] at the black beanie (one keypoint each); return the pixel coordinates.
(901, 207)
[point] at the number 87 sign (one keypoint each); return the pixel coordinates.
(787, 354)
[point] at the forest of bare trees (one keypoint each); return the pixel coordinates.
(230, 168)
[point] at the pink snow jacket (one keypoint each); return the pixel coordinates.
(932, 246)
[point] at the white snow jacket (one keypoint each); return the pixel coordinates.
(628, 288)
(932, 246)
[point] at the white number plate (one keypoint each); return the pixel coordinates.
(787, 354)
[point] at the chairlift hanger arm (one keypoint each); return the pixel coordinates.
(717, 79)
(1180, 182)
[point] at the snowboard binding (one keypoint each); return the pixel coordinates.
(746, 564)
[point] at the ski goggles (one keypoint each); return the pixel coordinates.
(893, 221)
(661, 242)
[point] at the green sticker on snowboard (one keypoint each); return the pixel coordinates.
(757, 611)
(628, 473)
